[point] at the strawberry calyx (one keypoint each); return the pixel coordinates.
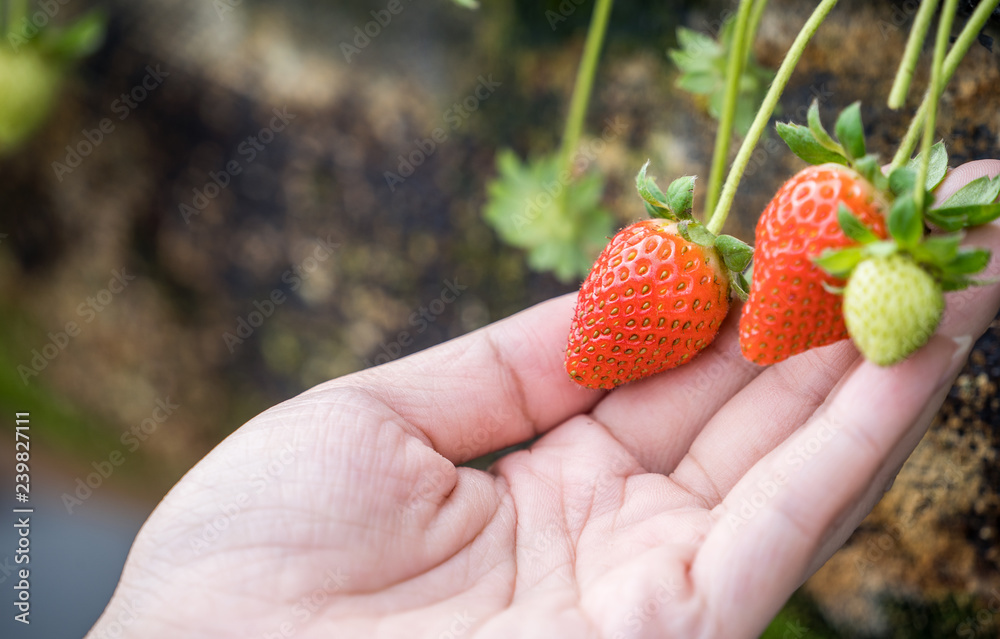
(676, 204)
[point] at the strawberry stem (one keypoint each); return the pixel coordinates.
(962, 44)
(937, 65)
(738, 52)
(582, 88)
(901, 85)
(721, 211)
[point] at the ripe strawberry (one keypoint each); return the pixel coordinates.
(790, 310)
(892, 306)
(652, 301)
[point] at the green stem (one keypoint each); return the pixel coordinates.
(723, 135)
(962, 44)
(755, 17)
(901, 85)
(764, 113)
(940, 46)
(584, 84)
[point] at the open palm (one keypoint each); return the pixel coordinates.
(690, 504)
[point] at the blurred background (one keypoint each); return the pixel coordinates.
(208, 207)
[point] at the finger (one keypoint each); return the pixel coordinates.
(806, 496)
(493, 388)
(785, 396)
(780, 514)
(759, 418)
(656, 419)
(962, 175)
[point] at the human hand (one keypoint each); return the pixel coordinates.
(688, 504)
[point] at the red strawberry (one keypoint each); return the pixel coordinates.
(789, 310)
(652, 301)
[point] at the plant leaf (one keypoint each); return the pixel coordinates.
(840, 263)
(680, 195)
(735, 252)
(803, 143)
(968, 261)
(982, 190)
(954, 218)
(852, 226)
(694, 232)
(905, 224)
(851, 132)
(936, 167)
(819, 132)
(656, 201)
(938, 249)
(902, 180)
(78, 40)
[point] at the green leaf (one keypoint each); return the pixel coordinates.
(938, 249)
(869, 167)
(523, 209)
(954, 218)
(740, 283)
(694, 232)
(901, 180)
(884, 248)
(803, 143)
(78, 40)
(905, 224)
(680, 195)
(819, 132)
(852, 226)
(851, 132)
(968, 261)
(735, 252)
(698, 82)
(840, 263)
(982, 190)
(698, 43)
(937, 166)
(655, 200)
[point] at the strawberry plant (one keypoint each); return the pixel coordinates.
(703, 64)
(33, 63)
(540, 205)
(843, 249)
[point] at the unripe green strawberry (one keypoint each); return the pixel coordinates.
(892, 306)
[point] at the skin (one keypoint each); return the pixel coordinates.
(689, 504)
